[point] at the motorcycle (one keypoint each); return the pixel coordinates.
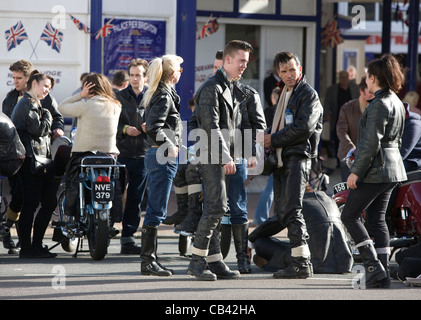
(404, 212)
(97, 178)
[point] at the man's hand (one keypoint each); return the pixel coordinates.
(267, 141)
(57, 133)
(173, 152)
(230, 168)
(132, 131)
(251, 162)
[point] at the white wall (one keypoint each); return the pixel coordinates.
(74, 56)
(65, 66)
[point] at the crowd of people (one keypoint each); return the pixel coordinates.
(136, 119)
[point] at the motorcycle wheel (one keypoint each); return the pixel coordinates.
(68, 245)
(98, 234)
(225, 239)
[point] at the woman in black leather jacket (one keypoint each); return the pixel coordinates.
(164, 128)
(33, 123)
(377, 168)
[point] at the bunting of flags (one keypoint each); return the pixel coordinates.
(105, 30)
(79, 24)
(15, 35)
(331, 35)
(211, 26)
(52, 37)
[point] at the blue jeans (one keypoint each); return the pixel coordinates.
(237, 195)
(265, 203)
(137, 178)
(160, 178)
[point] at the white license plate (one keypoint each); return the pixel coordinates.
(340, 187)
(103, 192)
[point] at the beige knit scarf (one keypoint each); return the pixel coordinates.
(279, 119)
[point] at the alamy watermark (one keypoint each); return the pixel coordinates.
(359, 20)
(59, 280)
(214, 146)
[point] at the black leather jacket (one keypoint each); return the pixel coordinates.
(133, 115)
(163, 122)
(10, 145)
(49, 102)
(252, 115)
(218, 113)
(33, 124)
(377, 157)
(301, 138)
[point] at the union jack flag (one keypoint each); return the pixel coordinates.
(52, 36)
(331, 35)
(15, 35)
(105, 30)
(79, 24)
(211, 26)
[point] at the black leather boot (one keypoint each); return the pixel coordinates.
(374, 270)
(240, 234)
(198, 267)
(222, 271)
(148, 265)
(189, 225)
(299, 268)
(384, 260)
(180, 215)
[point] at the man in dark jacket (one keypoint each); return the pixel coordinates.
(328, 243)
(296, 142)
(217, 114)
(252, 121)
(131, 141)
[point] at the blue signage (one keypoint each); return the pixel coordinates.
(131, 39)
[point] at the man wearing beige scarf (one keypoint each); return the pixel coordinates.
(296, 144)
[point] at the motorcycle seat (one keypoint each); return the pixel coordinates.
(413, 175)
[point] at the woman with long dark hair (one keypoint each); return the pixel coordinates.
(33, 123)
(97, 111)
(377, 168)
(163, 127)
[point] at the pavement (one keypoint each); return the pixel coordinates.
(117, 277)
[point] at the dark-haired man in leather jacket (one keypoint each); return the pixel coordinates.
(296, 144)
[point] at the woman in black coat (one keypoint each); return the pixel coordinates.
(377, 168)
(33, 123)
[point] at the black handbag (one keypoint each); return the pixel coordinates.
(41, 165)
(271, 161)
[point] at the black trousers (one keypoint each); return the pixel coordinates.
(215, 206)
(374, 199)
(37, 190)
(289, 186)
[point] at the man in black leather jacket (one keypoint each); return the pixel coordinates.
(296, 144)
(217, 114)
(131, 141)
